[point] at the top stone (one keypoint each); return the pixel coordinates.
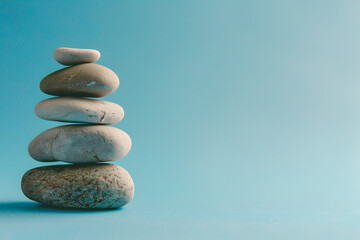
(73, 56)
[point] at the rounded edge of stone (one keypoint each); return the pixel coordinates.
(41, 148)
(115, 116)
(64, 89)
(62, 54)
(75, 167)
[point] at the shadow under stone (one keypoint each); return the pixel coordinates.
(34, 207)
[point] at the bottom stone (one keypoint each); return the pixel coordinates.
(99, 185)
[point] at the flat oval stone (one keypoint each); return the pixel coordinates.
(84, 80)
(79, 186)
(81, 110)
(80, 143)
(72, 56)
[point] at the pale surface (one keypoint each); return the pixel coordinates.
(80, 143)
(81, 110)
(72, 56)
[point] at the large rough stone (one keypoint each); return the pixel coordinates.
(79, 186)
(84, 80)
(80, 143)
(81, 110)
(72, 56)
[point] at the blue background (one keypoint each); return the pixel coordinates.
(244, 116)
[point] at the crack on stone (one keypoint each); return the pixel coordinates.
(103, 116)
(97, 158)
(52, 146)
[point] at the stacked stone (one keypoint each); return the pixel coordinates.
(87, 182)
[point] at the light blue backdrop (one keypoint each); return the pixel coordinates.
(244, 116)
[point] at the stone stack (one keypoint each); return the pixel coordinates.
(87, 182)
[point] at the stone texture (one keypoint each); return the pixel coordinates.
(79, 186)
(81, 110)
(80, 143)
(84, 80)
(72, 56)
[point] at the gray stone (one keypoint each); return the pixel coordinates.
(80, 143)
(72, 56)
(79, 186)
(82, 110)
(84, 80)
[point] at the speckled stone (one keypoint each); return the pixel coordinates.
(84, 80)
(81, 110)
(79, 143)
(72, 56)
(79, 186)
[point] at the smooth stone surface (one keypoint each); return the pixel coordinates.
(72, 56)
(84, 80)
(81, 110)
(80, 143)
(79, 186)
